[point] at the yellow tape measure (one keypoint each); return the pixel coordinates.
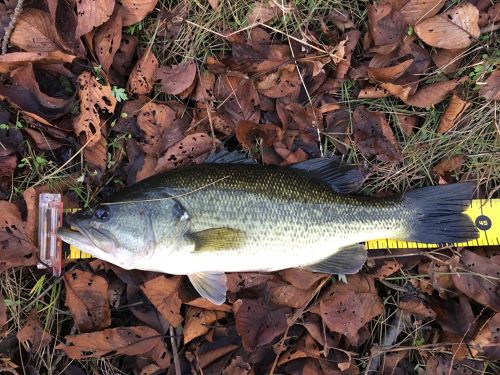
(484, 213)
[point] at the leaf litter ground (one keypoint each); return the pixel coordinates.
(98, 95)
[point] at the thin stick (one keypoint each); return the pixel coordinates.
(175, 353)
(12, 23)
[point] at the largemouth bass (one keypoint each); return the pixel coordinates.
(231, 215)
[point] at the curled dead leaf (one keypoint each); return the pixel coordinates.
(135, 11)
(141, 79)
(163, 294)
(388, 73)
(87, 299)
(433, 93)
(13, 60)
(93, 96)
(194, 148)
(453, 112)
(91, 14)
(248, 132)
(33, 335)
(455, 28)
(176, 79)
(197, 322)
(374, 137)
(107, 39)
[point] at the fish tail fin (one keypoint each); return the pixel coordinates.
(439, 214)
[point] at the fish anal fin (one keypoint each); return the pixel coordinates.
(340, 178)
(346, 260)
(210, 285)
(216, 239)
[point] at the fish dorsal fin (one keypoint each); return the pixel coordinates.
(340, 178)
(216, 239)
(346, 260)
(210, 285)
(230, 157)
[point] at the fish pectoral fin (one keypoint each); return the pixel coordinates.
(210, 285)
(217, 239)
(341, 178)
(346, 260)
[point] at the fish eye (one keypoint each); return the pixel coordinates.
(102, 213)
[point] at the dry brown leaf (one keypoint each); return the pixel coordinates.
(448, 60)
(480, 279)
(214, 4)
(407, 123)
(284, 294)
(91, 14)
(455, 28)
(415, 11)
(93, 97)
(194, 148)
(176, 79)
(11, 61)
(16, 248)
(3, 318)
(399, 91)
(491, 90)
(373, 92)
(416, 306)
(197, 322)
(122, 62)
(154, 120)
(248, 132)
(36, 32)
(386, 25)
(486, 341)
(374, 136)
(135, 11)
(347, 313)
(258, 324)
(33, 335)
(237, 281)
(441, 364)
(453, 112)
(278, 84)
(135, 340)
(141, 79)
(87, 299)
(205, 304)
(205, 87)
(301, 278)
(208, 357)
(127, 121)
(388, 73)
(97, 156)
(237, 367)
(107, 39)
(43, 141)
(433, 93)
(264, 11)
(163, 294)
(455, 316)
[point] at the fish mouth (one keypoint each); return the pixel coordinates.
(84, 239)
(77, 238)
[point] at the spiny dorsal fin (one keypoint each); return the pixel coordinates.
(340, 178)
(217, 239)
(210, 285)
(230, 157)
(346, 260)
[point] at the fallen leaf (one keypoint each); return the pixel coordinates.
(479, 280)
(135, 11)
(453, 112)
(155, 121)
(455, 316)
(485, 343)
(92, 14)
(197, 322)
(176, 79)
(416, 306)
(33, 335)
(13, 60)
(194, 148)
(96, 155)
(127, 121)
(347, 313)
(214, 4)
(374, 137)
(237, 367)
(340, 19)
(248, 132)
(386, 25)
(259, 324)
(163, 294)
(448, 167)
(278, 84)
(16, 248)
(301, 278)
(107, 39)
(373, 92)
(446, 364)
(237, 281)
(3, 318)
(135, 340)
(208, 357)
(459, 24)
(491, 90)
(388, 73)
(205, 304)
(36, 32)
(264, 11)
(415, 11)
(141, 79)
(433, 93)
(43, 141)
(284, 294)
(122, 61)
(94, 96)
(407, 123)
(205, 87)
(87, 299)
(448, 60)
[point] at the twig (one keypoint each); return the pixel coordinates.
(12, 23)
(175, 353)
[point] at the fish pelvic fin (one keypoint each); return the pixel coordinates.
(346, 260)
(439, 216)
(210, 285)
(216, 239)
